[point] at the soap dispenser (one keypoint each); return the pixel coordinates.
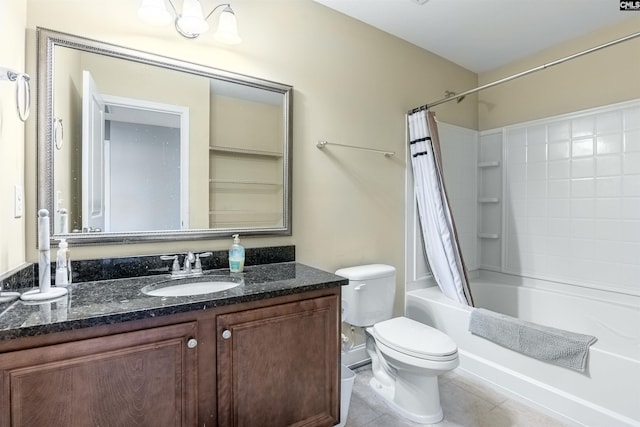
(63, 264)
(236, 255)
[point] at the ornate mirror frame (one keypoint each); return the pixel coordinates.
(48, 40)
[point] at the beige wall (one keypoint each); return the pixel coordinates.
(603, 77)
(352, 84)
(13, 17)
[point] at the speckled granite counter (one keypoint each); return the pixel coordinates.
(113, 301)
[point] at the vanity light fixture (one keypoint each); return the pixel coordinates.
(191, 22)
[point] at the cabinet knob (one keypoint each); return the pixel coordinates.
(226, 334)
(192, 343)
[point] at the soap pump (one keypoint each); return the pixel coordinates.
(236, 255)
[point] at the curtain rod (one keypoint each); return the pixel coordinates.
(524, 73)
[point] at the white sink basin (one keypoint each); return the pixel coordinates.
(191, 286)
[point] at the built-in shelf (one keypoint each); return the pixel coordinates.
(489, 200)
(245, 151)
(234, 217)
(244, 212)
(489, 164)
(243, 182)
(488, 235)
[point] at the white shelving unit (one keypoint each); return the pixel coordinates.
(245, 151)
(240, 180)
(489, 200)
(491, 164)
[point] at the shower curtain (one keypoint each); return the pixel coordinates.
(438, 229)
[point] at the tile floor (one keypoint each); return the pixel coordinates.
(465, 402)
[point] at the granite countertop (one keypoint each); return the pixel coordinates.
(106, 302)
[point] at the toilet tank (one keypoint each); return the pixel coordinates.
(368, 298)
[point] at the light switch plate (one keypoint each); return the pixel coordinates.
(18, 201)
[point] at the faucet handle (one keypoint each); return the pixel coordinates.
(198, 266)
(176, 264)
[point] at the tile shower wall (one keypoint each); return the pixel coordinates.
(571, 199)
(459, 157)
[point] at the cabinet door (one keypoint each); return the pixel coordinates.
(143, 378)
(279, 365)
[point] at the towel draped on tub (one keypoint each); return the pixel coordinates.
(562, 348)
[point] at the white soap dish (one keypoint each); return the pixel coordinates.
(36, 295)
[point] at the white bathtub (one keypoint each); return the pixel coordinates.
(606, 395)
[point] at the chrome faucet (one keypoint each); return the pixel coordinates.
(188, 259)
(187, 270)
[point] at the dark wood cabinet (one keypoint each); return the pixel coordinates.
(277, 365)
(142, 378)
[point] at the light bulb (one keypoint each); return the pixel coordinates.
(192, 20)
(227, 27)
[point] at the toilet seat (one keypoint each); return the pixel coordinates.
(415, 339)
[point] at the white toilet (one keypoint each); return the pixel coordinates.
(406, 356)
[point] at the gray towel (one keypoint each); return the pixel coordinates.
(563, 348)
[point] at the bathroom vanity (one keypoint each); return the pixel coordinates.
(263, 353)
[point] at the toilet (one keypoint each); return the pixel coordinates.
(406, 356)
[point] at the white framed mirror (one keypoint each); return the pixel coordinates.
(134, 146)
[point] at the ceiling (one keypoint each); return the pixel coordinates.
(481, 35)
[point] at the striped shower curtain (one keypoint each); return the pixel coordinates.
(438, 229)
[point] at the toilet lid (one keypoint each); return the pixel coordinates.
(415, 338)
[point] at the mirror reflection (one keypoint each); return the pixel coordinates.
(136, 146)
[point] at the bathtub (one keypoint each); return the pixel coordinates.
(606, 395)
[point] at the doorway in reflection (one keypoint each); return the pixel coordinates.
(149, 157)
(134, 163)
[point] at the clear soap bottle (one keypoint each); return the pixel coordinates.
(236, 255)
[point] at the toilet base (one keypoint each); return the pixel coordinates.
(388, 393)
